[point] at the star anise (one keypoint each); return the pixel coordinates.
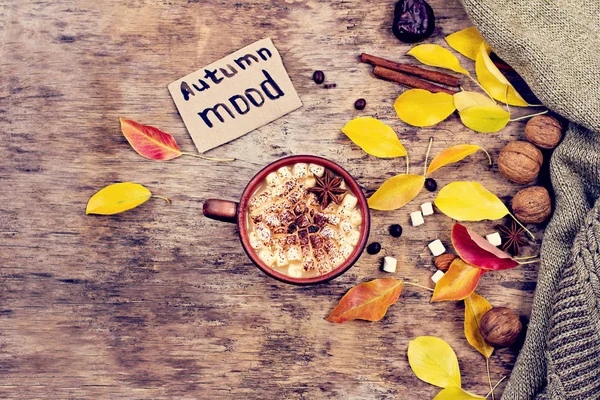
(513, 238)
(327, 189)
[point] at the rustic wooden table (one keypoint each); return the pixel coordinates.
(160, 302)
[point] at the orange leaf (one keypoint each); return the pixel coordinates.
(458, 283)
(368, 301)
(149, 142)
(454, 154)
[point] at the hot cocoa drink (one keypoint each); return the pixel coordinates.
(303, 221)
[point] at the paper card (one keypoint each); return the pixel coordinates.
(235, 95)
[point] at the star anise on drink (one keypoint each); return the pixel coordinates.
(327, 189)
(513, 238)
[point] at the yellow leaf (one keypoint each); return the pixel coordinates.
(485, 118)
(496, 84)
(396, 192)
(437, 56)
(117, 198)
(469, 201)
(466, 42)
(433, 361)
(374, 137)
(456, 393)
(420, 107)
(466, 99)
(454, 154)
(475, 307)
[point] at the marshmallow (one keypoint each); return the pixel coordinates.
(285, 172)
(427, 208)
(293, 253)
(389, 264)
(349, 201)
(346, 250)
(295, 270)
(494, 239)
(281, 259)
(266, 256)
(417, 218)
(437, 248)
(356, 218)
(346, 226)
(310, 182)
(255, 242)
(353, 237)
(300, 170)
(317, 170)
(273, 179)
(437, 276)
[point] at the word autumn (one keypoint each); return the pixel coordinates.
(240, 103)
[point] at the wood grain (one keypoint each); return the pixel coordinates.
(159, 302)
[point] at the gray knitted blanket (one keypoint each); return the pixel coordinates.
(555, 46)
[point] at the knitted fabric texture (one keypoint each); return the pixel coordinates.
(555, 46)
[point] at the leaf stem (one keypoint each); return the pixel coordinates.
(508, 111)
(487, 366)
(162, 198)
(521, 225)
(527, 262)
(407, 164)
(427, 155)
(495, 386)
(528, 116)
(482, 88)
(417, 285)
(525, 258)
(208, 158)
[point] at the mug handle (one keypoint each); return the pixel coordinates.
(221, 210)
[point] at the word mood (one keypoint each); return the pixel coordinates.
(235, 95)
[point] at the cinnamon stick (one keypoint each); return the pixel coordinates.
(434, 76)
(409, 80)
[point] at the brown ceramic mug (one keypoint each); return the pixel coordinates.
(229, 211)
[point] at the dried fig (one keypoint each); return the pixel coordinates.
(413, 20)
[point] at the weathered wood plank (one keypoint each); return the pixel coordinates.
(159, 302)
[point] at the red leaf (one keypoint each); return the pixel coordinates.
(368, 301)
(150, 142)
(458, 282)
(478, 252)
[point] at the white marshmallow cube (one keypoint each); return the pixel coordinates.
(273, 179)
(437, 276)
(266, 256)
(285, 172)
(317, 170)
(310, 182)
(417, 218)
(346, 249)
(349, 201)
(494, 239)
(356, 218)
(300, 170)
(295, 271)
(353, 237)
(437, 248)
(281, 258)
(293, 253)
(255, 242)
(389, 264)
(427, 208)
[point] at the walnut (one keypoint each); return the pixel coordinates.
(520, 162)
(544, 131)
(500, 327)
(532, 205)
(443, 262)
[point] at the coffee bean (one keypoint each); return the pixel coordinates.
(360, 104)
(318, 77)
(430, 184)
(396, 230)
(374, 248)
